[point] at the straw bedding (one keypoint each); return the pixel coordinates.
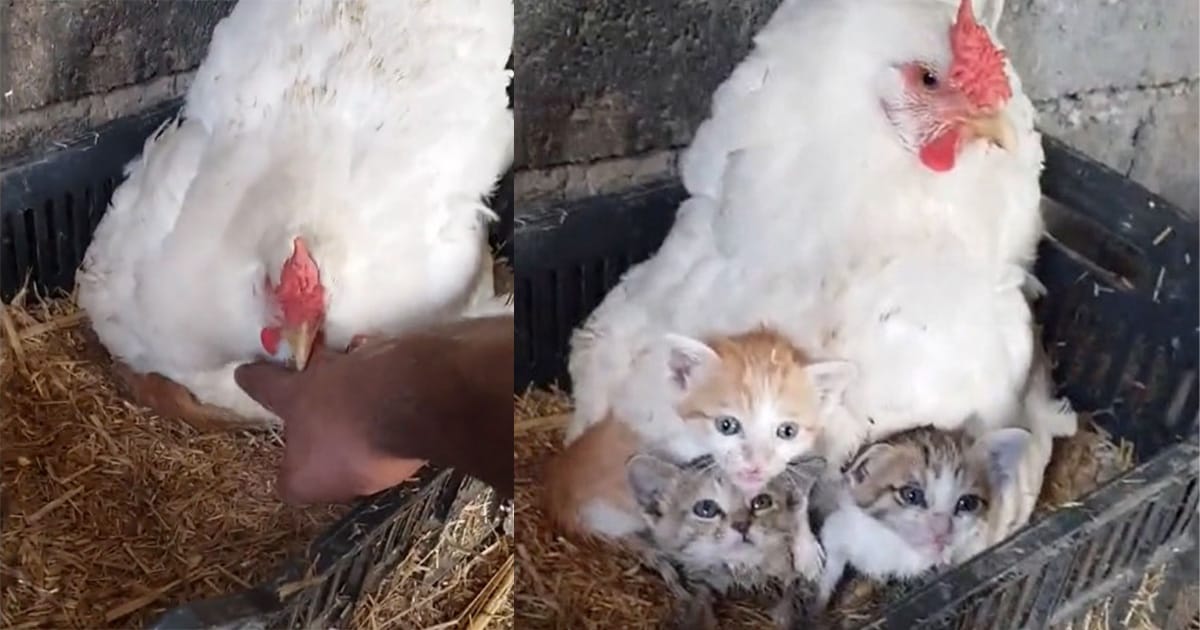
(1143, 606)
(110, 515)
(462, 580)
(568, 584)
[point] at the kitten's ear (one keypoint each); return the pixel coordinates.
(808, 468)
(830, 379)
(804, 472)
(868, 461)
(686, 358)
(649, 477)
(1000, 453)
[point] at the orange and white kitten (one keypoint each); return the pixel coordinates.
(753, 402)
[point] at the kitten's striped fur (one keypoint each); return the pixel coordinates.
(745, 544)
(921, 455)
(915, 501)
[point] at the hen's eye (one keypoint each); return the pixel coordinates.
(928, 78)
(728, 425)
(761, 502)
(968, 503)
(787, 430)
(706, 508)
(912, 495)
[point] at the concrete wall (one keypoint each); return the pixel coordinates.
(606, 92)
(68, 65)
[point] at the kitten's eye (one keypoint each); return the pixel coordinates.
(912, 495)
(968, 503)
(929, 79)
(728, 425)
(787, 430)
(761, 502)
(706, 508)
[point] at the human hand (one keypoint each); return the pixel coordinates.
(359, 422)
(328, 456)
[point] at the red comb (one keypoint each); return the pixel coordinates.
(978, 66)
(299, 292)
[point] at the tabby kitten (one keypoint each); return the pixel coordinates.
(915, 501)
(707, 536)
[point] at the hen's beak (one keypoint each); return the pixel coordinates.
(996, 128)
(300, 339)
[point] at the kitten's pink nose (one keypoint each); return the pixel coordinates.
(751, 479)
(741, 527)
(941, 527)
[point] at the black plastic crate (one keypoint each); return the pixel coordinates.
(1120, 319)
(49, 207)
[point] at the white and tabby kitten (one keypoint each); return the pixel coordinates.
(707, 536)
(914, 501)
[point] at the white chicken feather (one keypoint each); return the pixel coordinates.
(811, 212)
(372, 129)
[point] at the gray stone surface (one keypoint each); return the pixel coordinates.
(56, 53)
(1103, 125)
(1149, 135)
(1166, 159)
(1072, 46)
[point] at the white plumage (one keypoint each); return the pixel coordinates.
(810, 212)
(372, 129)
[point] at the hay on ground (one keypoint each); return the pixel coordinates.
(571, 584)
(456, 581)
(1082, 463)
(110, 515)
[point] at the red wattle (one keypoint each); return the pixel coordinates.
(939, 154)
(270, 338)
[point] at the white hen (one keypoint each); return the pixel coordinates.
(327, 173)
(867, 183)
